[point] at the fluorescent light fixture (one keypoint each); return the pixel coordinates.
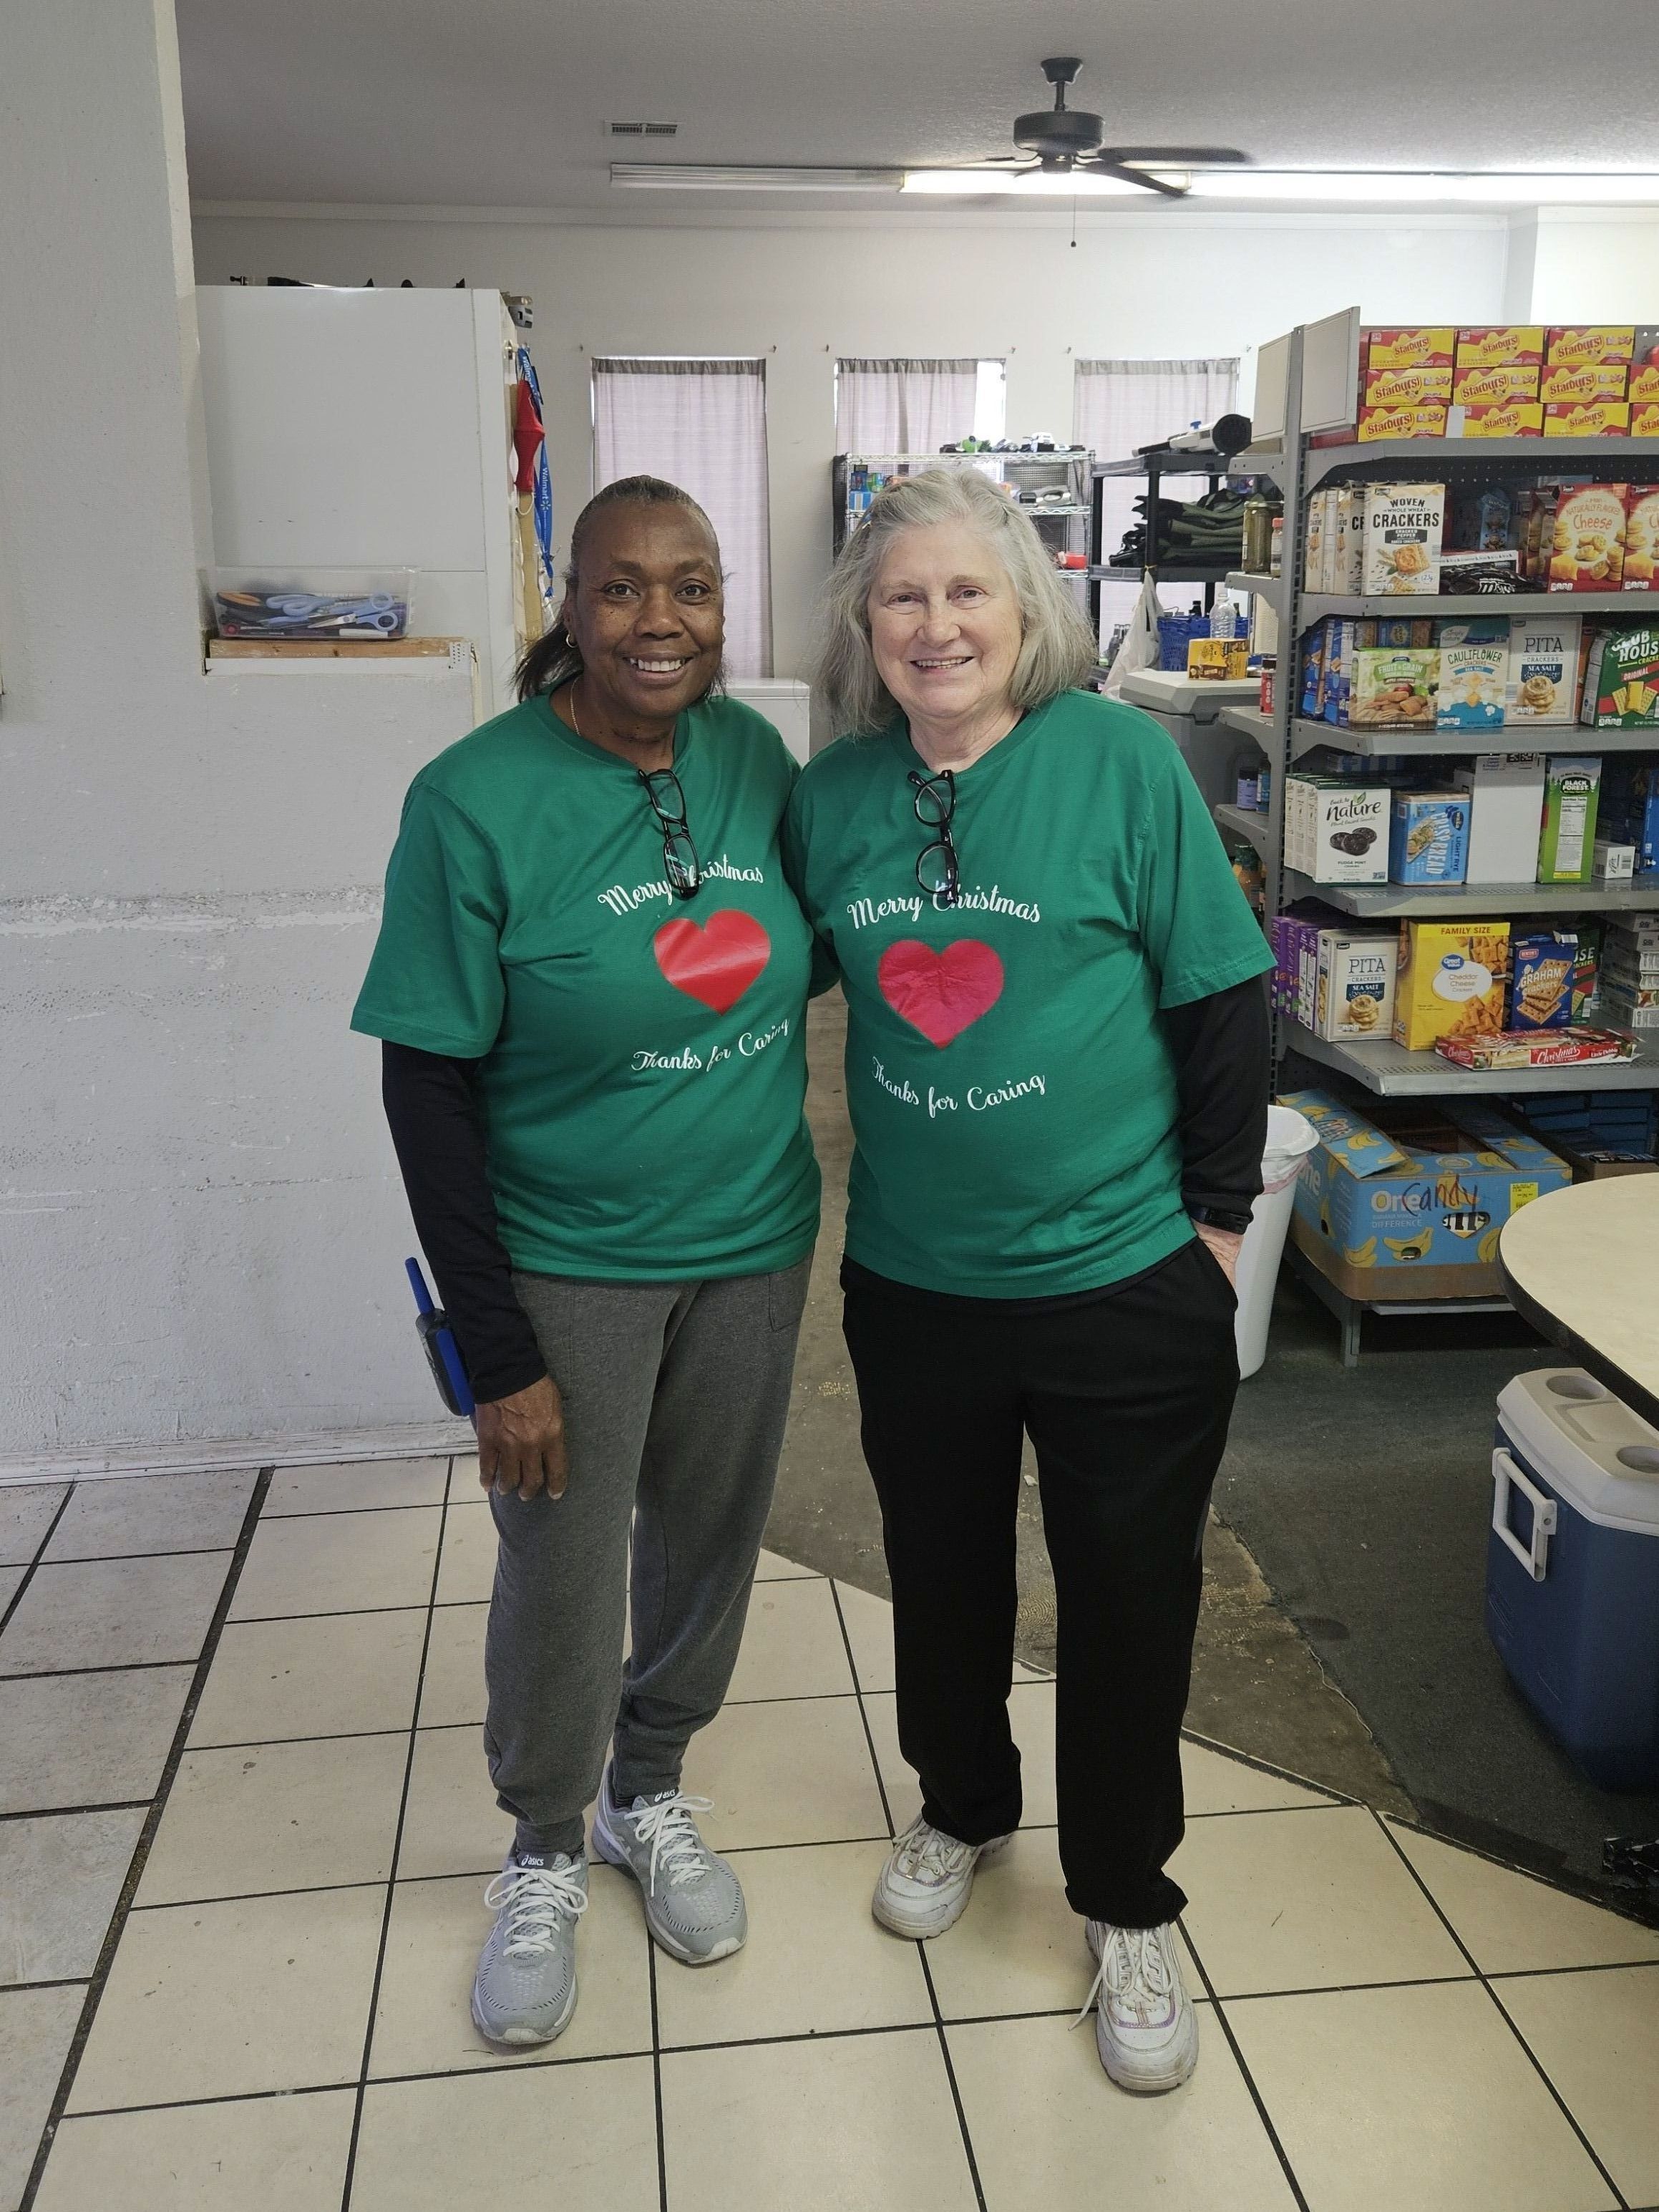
(1523, 187)
(694, 176)
(1022, 184)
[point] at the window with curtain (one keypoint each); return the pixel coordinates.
(1118, 406)
(913, 406)
(701, 424)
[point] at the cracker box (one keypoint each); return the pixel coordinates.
(1641, 538)
(1586, 542)
(1542, 966)
(1403, 527)
(1510, 418)
(1541, 689)
(1644, 419)
(1378, 423)
(1353, 990)
(1429, 837)
(1311, 702)
(1408, 387)
(1621, 681)
(1505, 795)
(1348, 567)
(1320, 505)
(1586, 418)
(1632, 1010)
(1474, 667)
(1502, 346)
(1392, 687)
(1495, 387)
(1566, 846)
(1454, 976)
(1433, 346)
(1421, 1200)
(1576, 346)
(1606, 379)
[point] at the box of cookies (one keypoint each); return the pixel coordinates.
(1501, 346)
(1403, 526)
(1587, 543)
(1454, 976)
(1516, 1048)
(1353, 991)
(1392, 687)
(1641, 538)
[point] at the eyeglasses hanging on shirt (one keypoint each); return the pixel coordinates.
(679, 855)
(937, 871)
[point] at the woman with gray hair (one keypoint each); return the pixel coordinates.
(1057, 1069)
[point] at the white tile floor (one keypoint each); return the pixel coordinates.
(245, 1830)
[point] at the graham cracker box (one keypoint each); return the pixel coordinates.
(1424, 346)
(1495, 387)
(1353, 985)
(1474, 667)
(1544, 963)
(1542, 684)
(1579, 345)
(1421, 386)
(1376, 423)
(1508, 419)
(1587, 541)
(1505, 794)
(1586, 418)
(1502, 346)
(1641, 538)
(1594, 381)
(1621, 681)
(1404, 523)
(1453, 979)
(1566, 843)
(1411, 1196)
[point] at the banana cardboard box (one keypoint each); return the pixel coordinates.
(1413, 1210)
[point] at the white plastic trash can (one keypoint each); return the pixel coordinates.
(1291, 1138)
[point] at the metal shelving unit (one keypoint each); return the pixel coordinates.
(1315, 605)
(1153, 468)
(1434, 745)
(1244, 821)
(1397, 901)
(1391, 1072)
(1066, 468)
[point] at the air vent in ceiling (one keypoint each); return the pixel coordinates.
(643, 130)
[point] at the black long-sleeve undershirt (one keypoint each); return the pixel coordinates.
(1220, 1044)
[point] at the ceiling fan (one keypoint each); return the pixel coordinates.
(1062, 139)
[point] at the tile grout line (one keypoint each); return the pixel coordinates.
(397, 1850)
(1233, 2044)
(1624, 1905)
(64, 1812)
(158, 1804)
(16, 1597)
(921, 1950)
(1566, 2111)
(656, 2073)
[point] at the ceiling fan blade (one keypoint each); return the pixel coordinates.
(1143, 178)
(1176, 157)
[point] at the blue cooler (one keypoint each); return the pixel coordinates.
(1572, 1569)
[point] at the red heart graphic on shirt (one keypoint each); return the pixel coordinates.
(940, 993)
(715, 960)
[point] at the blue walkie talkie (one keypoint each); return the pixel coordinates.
(443, 1354)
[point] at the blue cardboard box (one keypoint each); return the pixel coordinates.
(1629, 813)
(1429, 837)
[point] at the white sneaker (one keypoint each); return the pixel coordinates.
(1146, 2029)
(524, 1991)
(928, 1880)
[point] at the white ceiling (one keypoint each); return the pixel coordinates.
(504, 103)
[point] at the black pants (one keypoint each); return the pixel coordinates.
(1126, 1401)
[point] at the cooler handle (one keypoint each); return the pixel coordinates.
(1505, 1472)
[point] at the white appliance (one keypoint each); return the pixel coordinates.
(786, 702)
(1189, 707)
(373, 429)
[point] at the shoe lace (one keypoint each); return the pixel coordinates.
(1134, 1967)
(535, 1899)
(925, 1853)
(677, 1850)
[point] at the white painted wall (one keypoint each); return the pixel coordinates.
(1595, 265)
(200, 1229)
(801, 291)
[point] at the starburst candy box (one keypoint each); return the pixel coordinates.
(1412, 1195)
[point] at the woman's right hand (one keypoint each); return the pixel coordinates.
(521, 1441)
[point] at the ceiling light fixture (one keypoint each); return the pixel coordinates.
(1315, 187)
(1023, 184)
(697, 177)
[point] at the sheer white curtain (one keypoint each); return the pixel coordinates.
(1117, 405)
(702, 424)
(903, 406)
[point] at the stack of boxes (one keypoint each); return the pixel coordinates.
(1584, 380)
(1630, 973)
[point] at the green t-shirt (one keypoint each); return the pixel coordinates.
(1014, 1100)
(643, 1065)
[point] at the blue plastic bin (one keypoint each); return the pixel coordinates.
(1572, 1569)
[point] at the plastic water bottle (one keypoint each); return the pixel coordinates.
(1224, 619)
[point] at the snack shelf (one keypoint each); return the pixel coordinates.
(1396, 902)
(1168, 572)
(1245, 822)
(1432, 605)
(1265, 587)
(1556, 737)
(1250, 721)
(1429, 458)
(1392, 1072)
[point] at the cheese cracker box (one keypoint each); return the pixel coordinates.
(1505, 796)
(1412, 1195)
(1433, 346)
(1586, 542)
(1621, 681)
(1379, 422)
(1403, 527)
(1586, 418)
(1574, 346)
(1566, 846)
(1474, 668)
(1494, 387)
(1541, 686)
(1641, 538)
(1429, 837)
(1509, 418)
(1453, 979)
(1506, 346)
(1596, 379)
(1543, 964)
(1408, 387)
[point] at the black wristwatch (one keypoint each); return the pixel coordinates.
(1217, 1217)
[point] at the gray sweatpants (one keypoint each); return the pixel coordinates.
(675, 1399)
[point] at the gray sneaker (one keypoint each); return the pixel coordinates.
(524, 1990)
(693, 1903)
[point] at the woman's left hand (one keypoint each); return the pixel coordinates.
(1224, 1243)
